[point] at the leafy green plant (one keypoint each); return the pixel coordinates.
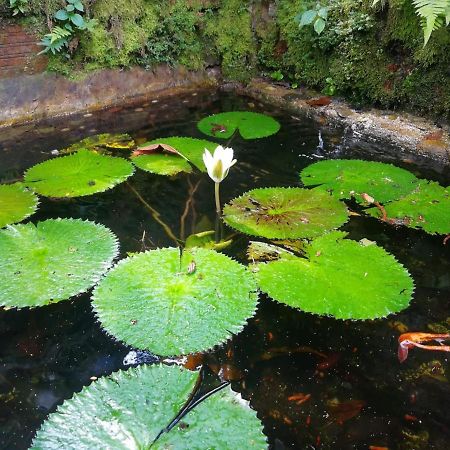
(19, 7)
(68, 18)
(56, 40)
(433, 15)
(277, 75)
(317, 17)
(71, 13)
(330, 86)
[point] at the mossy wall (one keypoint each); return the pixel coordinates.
(371, 56)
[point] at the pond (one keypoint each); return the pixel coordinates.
(315, 382)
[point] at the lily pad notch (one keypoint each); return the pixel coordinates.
(250, 125)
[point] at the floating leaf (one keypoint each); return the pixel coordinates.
(285, 213)
(52, 261)
(16, 203)
(100, 142)
(427, 208)
(128, 409)
(190, 148)
(171, 305)
(82, 173)
(262, 252)
(205, 239)
(162, 164)
(250, 125)
(345, 178)
(340, 278)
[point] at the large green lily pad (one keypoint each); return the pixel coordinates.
(78, 174)
(340, 278)
(345, 178)
(426, 208)
(52, 261)
(251, 125)
(16, 203)
(128, 409)
(102, 143)
(174, 305)
(285, 213)
(191, 149)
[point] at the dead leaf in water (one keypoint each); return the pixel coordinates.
(343, 411)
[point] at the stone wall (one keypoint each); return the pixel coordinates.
(19, 52)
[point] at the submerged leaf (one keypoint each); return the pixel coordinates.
(285, 213)
(128, 409)
(16, 203)
(82, 173)
(345, 178)
(426, 208)
(171, 305)
(191, 149)
(340, 278)
(251, 125)
(52, 261)
(100, 142)
(162, 164)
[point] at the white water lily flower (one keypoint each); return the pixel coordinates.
(218, 164)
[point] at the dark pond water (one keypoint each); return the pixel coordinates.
(358, 397)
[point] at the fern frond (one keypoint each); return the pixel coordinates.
(431, 13)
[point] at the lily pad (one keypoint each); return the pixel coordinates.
(102, 142)
(285, 213)
(426, 208)
(128, 409)
(82, 173)
(162, 164)
(16, 203)
(251, 125)
(171, 305)
(53, 260)
(345, 178)
(190, 148)
(339, 278)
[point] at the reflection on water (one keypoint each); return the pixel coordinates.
(315, 382)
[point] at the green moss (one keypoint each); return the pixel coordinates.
(230, 28)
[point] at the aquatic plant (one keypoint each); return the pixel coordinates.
(218, 166)
(190, 149)
(191, 301)
(347, 179)
(285, 213)
(249, 124)
(132, 409)
(16, 203)
(82, 173)
(339, 277)
(52, 260)
(180, 301)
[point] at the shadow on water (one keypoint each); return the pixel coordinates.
(315, 382)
